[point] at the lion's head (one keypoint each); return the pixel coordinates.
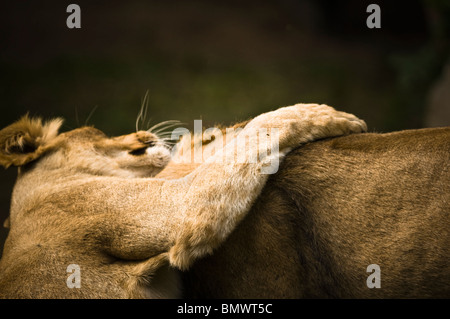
(87, 149)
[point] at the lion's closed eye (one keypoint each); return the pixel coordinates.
(139, 151)
(142, 150)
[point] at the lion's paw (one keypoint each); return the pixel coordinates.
(301, 123)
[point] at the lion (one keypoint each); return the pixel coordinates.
(342, 215)
(91, 218)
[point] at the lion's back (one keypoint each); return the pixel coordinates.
(335, 207)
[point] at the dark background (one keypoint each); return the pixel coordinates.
(220, 61)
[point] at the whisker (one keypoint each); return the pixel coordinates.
(76, 116)
(165, 135)
(68, 126)
(158, 125)
(168, 143)
(147, 125)
(164, 132)
(167, 139)
(142, 115)
(160, 129)
(90, 114)
(165, 128)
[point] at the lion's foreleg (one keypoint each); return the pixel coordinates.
(222, 190)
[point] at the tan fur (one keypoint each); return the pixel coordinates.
(83, 198)
(26, 140)
(335, 207)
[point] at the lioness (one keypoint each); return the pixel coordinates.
(88, 203)
(335, 208)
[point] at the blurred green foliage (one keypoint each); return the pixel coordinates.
(219, 62)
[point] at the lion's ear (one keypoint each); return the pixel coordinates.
(24, 140)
